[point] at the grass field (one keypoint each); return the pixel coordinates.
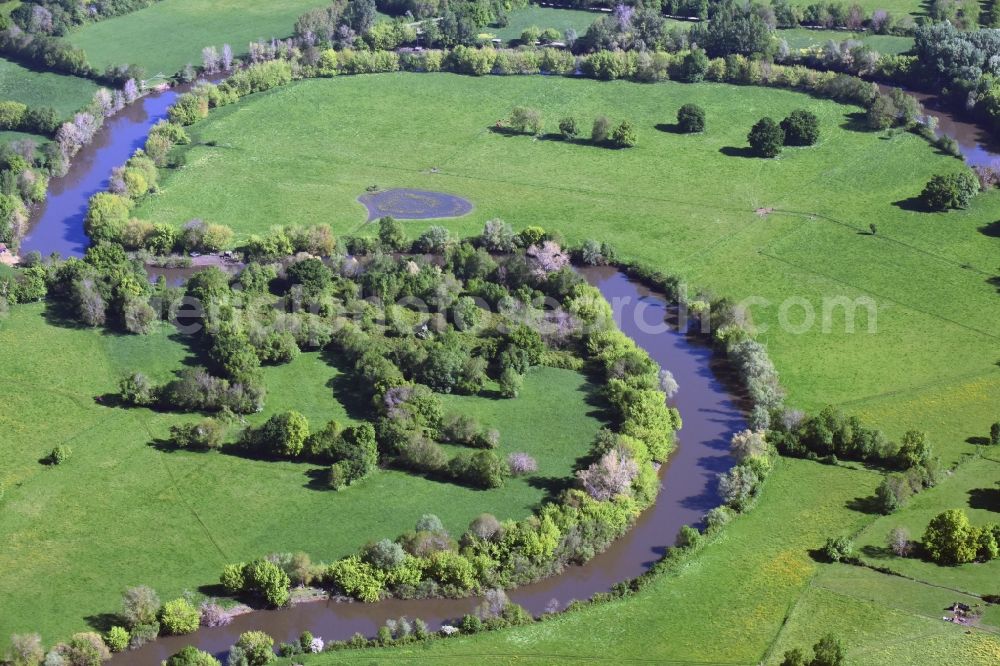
(686, 203)
(65, 94)
(169, 34)
(545, 17)
(122, 512)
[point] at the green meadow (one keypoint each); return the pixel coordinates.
(792, 233)
(63, 93)
(124, 510)
(167, 35)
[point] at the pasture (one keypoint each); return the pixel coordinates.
(169, 34)
(126, 510)
(690, 204)
(63, 93)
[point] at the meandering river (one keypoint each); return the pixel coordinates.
(709, 405)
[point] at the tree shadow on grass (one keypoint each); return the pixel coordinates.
(318, 480)
(345, 389)
(867, 505)
(102, 622)
(213, 590)
(508, 131)
(992, 229)
(987, 499)
(733, 151)
(877, 552)
(977, 441)
(552, 485)
(995, 281)
(912, 204)
(669, 128)
(61, 316)
(856, 122)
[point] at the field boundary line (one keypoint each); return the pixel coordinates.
(180, 495)
(890, 299)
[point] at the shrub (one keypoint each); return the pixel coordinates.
(691, 119)
(205, 434)
(526, 120)
(510, 383)
(117, 639)
(191, 656)
(955, 190)
(86, 649)
(766, 138)
(257, 647)
(694, 66)
(25, 650)
(267, 581)
(384, 554)
(521, 463)
(59, 454)
(893, 493)
(568, 128)
(391, 234)
(140, 605)
(610, 476)
(433, 240)
(601, 129)
(839, 548)
(801, 128)
(180, 616)
(899, 541)
(142, 634)
(624, 135)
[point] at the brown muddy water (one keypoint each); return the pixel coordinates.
(712, 411)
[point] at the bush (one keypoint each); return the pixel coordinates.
(117, 639)
(624, 135)
(837, 549)
(526, 120)
(191, 656)
(205, 434)
(257, 647)
(691, 119)
(180, 616)
(140, 605)
(801, 128)
(766, 138)
(601, 129)
(568, 128)
(510, 383)
(59, 455)
(955, 190)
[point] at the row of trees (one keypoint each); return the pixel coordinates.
(528, 120)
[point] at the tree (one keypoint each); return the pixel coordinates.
(950, 538)
(766, 138)
(257, 647)
(947, 191)
(384, 554)
(793, 657)
(180, 616)
(140, 605)
(893, 493)
(312, 274)
(914, 449)
(600, 130)
(526, 120)
(107, 215)
(839, 548)
(801, 128)
(691, 119)
(192, 656)
(610, 476)
(694, 66)
(391, 234)
(739, 486)
(828, 652)
(25, 650)
(899, 541)
(568, 128)
(267, 580)
(624, 135)
(510, 383)
(283, 434)
(521, 464)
